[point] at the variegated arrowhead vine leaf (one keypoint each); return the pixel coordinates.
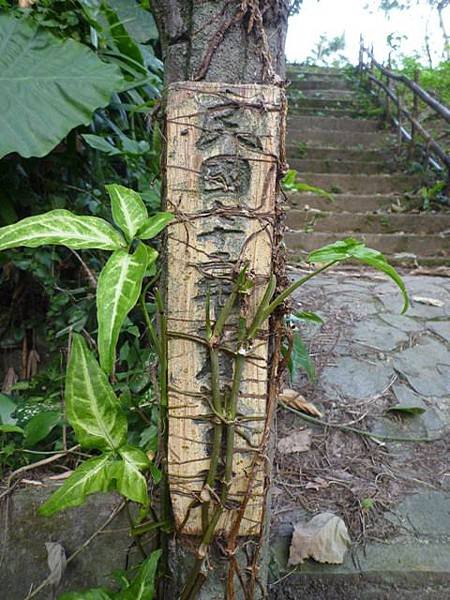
(92, 407)
(127, 472)
(118, 289)
(350, 248)
(128, 209)
(143, 587)
(90, 477)
(63, 228)
(154, 225)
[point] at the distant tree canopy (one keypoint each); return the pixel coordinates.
(295, 6)
(388, 5)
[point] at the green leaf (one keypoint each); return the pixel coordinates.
(118, 289)
(93, 409)
(99, 143)
(301, 358)
(7, 407)
(353, 249)
(154, 225)
(90, 477)
(63, 228)
(290, 183)
(11, 429)
(139, 23)
(94, 594)
(127, 472)
(124, 43)
(128, 210)
(406, 409)
(143, 586)
(305, 315)
(39, 426)
(48, 86)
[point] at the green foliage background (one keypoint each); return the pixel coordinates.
(47, 293)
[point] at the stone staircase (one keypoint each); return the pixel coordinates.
(333, 145)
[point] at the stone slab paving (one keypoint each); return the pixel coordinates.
(394, 495)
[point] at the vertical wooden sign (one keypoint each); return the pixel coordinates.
(222, 164)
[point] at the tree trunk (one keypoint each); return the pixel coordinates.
(224, 157)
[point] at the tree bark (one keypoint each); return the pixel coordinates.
(224, 129)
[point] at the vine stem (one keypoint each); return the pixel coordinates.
(216, 397)
(196, 579)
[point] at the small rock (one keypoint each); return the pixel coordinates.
(300, 441)
(325, 539)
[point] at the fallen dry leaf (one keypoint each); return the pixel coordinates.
(11, 379)
(56, 559)
(429, 301)
(295, 400)
(300, 441)
(324, 538)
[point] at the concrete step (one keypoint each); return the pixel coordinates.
(367, 223)
(300, 123)
(337, 166)
(313, 71)
(326, 112)
(319, 137)
(361, 184)
(427, 245)
(343, 202)
(332, 123)
(303, 101)
(321, 83)
(328, 95)
(328, 153)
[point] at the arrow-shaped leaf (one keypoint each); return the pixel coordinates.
(128, 210)
(90, 477)
(92, 407)
(143, 586)
(154, 225)
(118, 289)
(353, 249)
(127, 472)
(63, 228)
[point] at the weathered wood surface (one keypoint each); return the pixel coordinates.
(222, 165)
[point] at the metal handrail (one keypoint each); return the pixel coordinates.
(441, 158)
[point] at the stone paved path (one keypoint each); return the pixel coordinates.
(394, 496)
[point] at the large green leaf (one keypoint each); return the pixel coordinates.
(143, 586)
(354, 249)
(63, 228)
(91, 476)
(123, 41)
(92, 407)
(127, 472)
(118, 289)
(48, 86)
(139, 23)
(154, 225)
(7, 408)
(128, 209)
(39, 427)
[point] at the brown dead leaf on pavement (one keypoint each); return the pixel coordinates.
(300, 441)
(295, 400)
(324, 538)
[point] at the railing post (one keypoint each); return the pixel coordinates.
(361, 55)
(415, 116)
(399, 118)
(388, 100)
